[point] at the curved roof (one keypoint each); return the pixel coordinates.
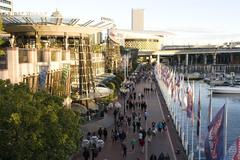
(23, 23)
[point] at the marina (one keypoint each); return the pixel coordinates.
(187, 131)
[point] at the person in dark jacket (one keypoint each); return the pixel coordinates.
(161, 156)
(100, 133)
(153, 157)
(86, 154)
(105, 133)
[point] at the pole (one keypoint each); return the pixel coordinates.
(124, 103)
(192, 157)
(199, 136)
(187, 136)
(225, 128)
(125, 69)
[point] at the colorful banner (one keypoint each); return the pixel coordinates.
(190, 102)
(199, 113)
(65, 73)
(214, 143)
(42, 75)
(233, 152)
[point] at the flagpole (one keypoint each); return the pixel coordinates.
(200, 117)
(187, 135)
(225, 128)
(210, 108)
(192, 156)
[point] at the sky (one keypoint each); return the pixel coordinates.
(191, 21)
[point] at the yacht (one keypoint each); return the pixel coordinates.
(225, 89)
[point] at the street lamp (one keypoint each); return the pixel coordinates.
(124, 91)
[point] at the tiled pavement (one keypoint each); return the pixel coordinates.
(165, 142)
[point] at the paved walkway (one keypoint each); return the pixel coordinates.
(165, 142)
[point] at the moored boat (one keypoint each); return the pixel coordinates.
(225, 89)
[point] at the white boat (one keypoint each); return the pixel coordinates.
(225, 89)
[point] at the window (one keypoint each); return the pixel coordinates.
(5, 8)
(6, 2)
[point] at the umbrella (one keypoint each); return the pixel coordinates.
(118, 105)
(79, 108)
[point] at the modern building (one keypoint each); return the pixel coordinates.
(201, 58)
(137, 20)
(55, 53)
(6, 7)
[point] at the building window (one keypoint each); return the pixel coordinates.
(5, 8)
(40, 56)
(23, 56)
(6, 2)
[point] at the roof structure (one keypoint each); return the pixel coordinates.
(54, 22)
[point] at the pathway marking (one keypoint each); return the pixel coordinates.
(170, 140)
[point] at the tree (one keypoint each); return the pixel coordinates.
(35, 126)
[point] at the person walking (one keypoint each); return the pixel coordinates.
(86, 154)
(149, 135)
(145, 115)
(133, 143)
(124, 148)
(153, 157)
(161, 156)
(100, 132)
(105, 133)
(167, 157)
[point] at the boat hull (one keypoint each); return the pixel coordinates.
(225, 90)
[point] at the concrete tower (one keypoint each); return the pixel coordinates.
(137, 19)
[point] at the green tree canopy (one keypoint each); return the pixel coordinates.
(35, 126)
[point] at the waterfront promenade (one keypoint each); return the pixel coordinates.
(166, 142)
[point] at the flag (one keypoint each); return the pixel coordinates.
(214, 143)
(210, 107)
(42, 76)
(199, 113)
(190, 101)
(233, 152)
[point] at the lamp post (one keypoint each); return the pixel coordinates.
(124, 91)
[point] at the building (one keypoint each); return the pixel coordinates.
(6, 7)
(54, 53)
(137, 20)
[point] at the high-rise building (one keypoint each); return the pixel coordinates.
(137, 19)
(6, 7)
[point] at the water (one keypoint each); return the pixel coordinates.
(233, 105)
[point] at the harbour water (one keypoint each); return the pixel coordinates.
(233, 120)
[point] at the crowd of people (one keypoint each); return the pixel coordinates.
(133, 122)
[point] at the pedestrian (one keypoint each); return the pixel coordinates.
(161, 156)
(142, 142)
(105, 133)
(100, 132)
(134, 126)
(86, 154)
(145, 115)
(133, 143)
(159, 126)
(113, 136)
(124, 148)
(149, 135)
(167, 157)
(164, 125)
(153, 157)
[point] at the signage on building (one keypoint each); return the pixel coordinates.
(30, 13)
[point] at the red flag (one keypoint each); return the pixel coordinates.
(199, 113)
(233, 152)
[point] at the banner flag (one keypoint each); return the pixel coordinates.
(199, 113)
(233, 152)
(214, 143)
(42, 75)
